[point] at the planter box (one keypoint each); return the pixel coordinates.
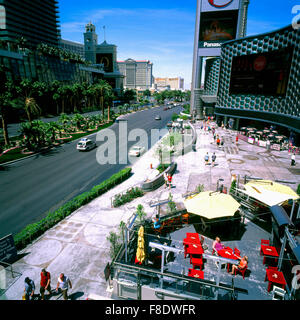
(159, 180)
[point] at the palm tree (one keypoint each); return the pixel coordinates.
(78, 119)
(7, 101)
(26, 89)
(104, 90)
(31, 108)
(64, 119)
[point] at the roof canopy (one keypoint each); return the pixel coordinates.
(280, 216)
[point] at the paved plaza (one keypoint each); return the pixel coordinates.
(78, 246)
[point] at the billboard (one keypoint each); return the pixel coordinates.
(218, 5)
(107, 60)
(217, 27)
(264, 73)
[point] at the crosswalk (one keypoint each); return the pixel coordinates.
(231, 149)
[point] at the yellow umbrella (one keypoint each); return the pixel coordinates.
(276, 192)
(140, 253)
(212, 205)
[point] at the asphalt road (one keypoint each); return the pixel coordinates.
(30, 188)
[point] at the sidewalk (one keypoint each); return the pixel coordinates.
(78, 247)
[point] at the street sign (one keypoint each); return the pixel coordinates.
(8, 251)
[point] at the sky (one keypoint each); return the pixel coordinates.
(161, 31)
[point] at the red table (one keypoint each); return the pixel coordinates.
(228, 253)
(194, 249)
(193, 236)
(275, 276)
(196, 274)
(269, 251)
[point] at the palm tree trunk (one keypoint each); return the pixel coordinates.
(102, 105)
(5, 131)
(108, 112)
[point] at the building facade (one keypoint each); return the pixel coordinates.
(103, 54)
(216, 22)
(171, 83)
(259, 79)
(72, 46)
(138, 74)
(34, 20)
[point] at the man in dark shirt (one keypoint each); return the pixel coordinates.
(29, 289)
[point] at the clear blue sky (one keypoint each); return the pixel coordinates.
(160, 31)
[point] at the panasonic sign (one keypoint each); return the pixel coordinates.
(211, 44)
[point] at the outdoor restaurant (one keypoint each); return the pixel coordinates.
(210, 249)
(268, 138)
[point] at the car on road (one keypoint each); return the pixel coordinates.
(136, 151)
(158, 117)
(85, 144)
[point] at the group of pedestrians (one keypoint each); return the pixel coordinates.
(213, 159)
(63, 285)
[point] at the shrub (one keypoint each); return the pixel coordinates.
(298, 189)
(130, 195)
(33, 231)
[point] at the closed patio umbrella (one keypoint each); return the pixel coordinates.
(212, 205)
(140, 253)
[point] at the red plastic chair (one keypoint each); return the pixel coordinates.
(201, 273)
(237, 252)
(272, 268)
(242, 271)
(197, 262)
(263, 242)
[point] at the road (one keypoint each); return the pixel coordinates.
(30, 188)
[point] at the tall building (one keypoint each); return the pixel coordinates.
(102, 54)
(216, 23)
(35, 20)
(138, 74)
(171, 83)
(72, 46)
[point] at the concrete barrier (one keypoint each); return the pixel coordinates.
(159, 180)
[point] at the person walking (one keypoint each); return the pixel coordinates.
(63, 283)
(166, 179)
(206, 158)
(45, 283)
(170, 181)
(293, 159)
(218, 141)
(236, 139)
(213, 159)
(29, 289)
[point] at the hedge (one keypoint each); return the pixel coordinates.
(33, 231)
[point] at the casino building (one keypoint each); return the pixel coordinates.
(259, 81)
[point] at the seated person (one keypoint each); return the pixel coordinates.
(156, 222)
(242, 265)
(217, 245)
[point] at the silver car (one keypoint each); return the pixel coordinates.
(136, 151)
(85, 145)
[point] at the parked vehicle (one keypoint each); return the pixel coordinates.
(85, 144)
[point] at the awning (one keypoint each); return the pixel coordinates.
(280, 216)
(296, 252)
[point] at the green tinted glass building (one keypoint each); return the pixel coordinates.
(35, 20)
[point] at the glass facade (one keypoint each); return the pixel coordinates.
(35, 20)
(266, 104)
